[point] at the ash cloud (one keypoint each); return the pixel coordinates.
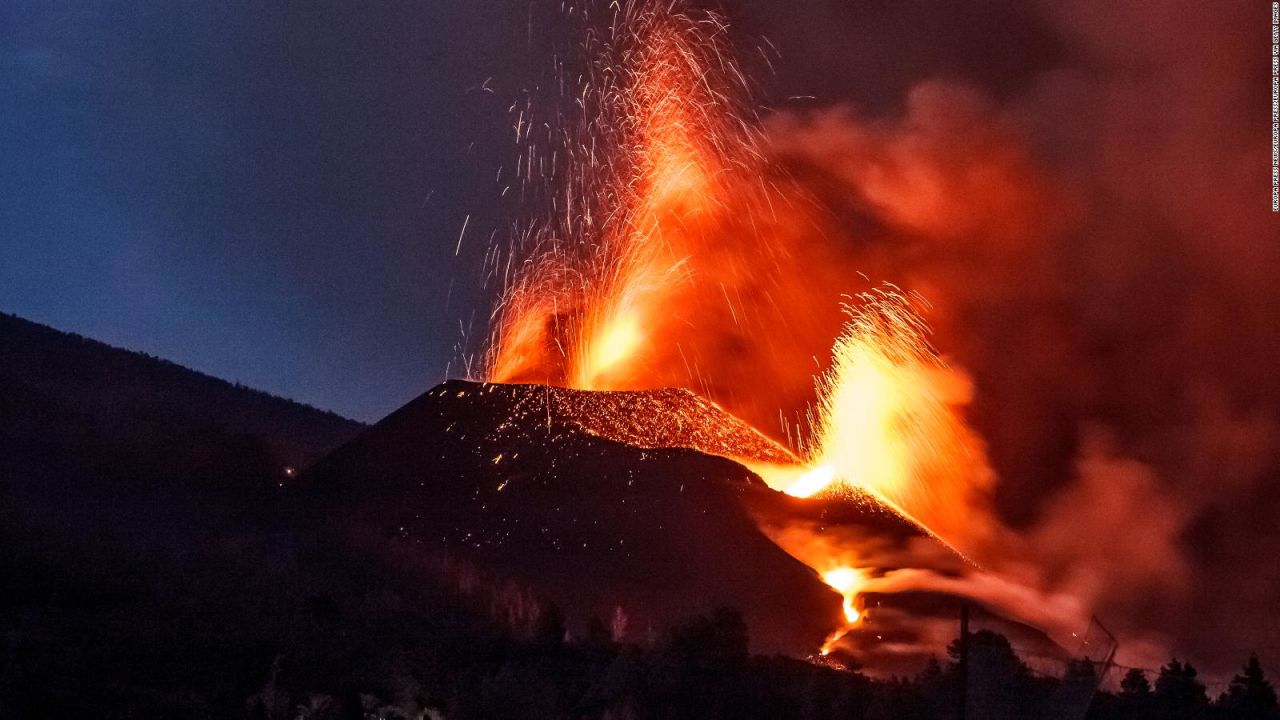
(1095, 236)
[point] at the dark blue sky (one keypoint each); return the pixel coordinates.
(259, 194)
(274, 195)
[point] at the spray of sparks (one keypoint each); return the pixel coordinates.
(656, 135)
(886, 420)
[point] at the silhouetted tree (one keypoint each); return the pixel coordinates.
(548, 629)
(931, 673)
(937, 690)
(1135, 701)
(1135, 685)
(598, 635)
(1081, 671)
(1250, 696)
(730, 633)
(1179, 695)
(999, 682)
(991, 652)
(715, 640)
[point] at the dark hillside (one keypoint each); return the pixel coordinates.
(71, 402)
(142, 523)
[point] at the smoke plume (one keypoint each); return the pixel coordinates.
(1097, 247)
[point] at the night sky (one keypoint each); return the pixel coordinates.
(270, 196)
(275, 195)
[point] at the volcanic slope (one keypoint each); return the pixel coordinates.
(662, 418)
(594, 500)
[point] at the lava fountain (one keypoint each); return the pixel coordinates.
(656, 139)
(887, 422)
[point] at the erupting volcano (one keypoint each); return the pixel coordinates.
(607, 359)
(663, 262)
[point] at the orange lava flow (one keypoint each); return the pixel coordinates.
(848, 582)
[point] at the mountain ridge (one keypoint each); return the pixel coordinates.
(75, 399)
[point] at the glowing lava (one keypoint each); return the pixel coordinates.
(812, 482)
(848, 582)
(644, 173)
(875, 405)
(887, 422)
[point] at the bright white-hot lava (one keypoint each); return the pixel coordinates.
(847, 581)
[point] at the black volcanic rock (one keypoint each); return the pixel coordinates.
(520, 480)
